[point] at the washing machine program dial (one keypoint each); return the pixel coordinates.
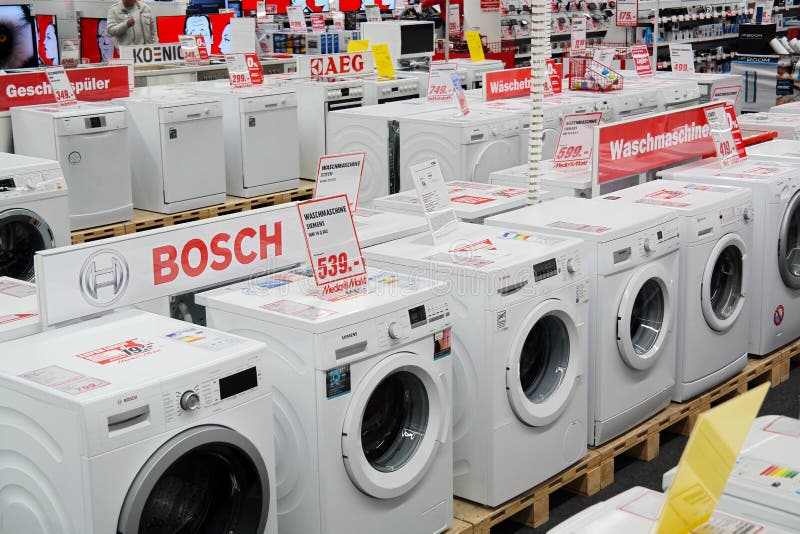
(190, 401)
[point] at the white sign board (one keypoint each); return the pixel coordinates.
(433, 192)
(242, 37)
(340, 175)
(440, 82)
(62, 89)
(577, 42)
(681, 57)
(576, 141)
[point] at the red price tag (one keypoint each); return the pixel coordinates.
(318, 23)
(641, 61)
(627, 13)
(254, 69)
(554, 74)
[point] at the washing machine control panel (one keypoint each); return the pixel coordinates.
(21, 183)
(657, 241)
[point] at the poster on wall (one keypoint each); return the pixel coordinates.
(490, 6)
(96, 44)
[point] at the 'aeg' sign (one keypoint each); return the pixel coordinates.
(336, 64)
(87, 279)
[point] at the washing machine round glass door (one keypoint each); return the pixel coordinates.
(723, 290)
(541, 373)
(789, 244)
(22, 233)
(397, 416)
(483, 159)
(205, 479)
(643, 318)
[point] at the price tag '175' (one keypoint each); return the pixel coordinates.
(62, 88)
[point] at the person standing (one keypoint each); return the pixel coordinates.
(130, 22)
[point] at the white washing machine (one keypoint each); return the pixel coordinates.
(774, 283)
(375, 227)
(133, 423)
(560, 182)
(765, 482)
(673, 93)
(373, 130)
(19, 309)
(476, 69)
(471, 201)
(708, 82)
(362, 396)
(90, 142)
(632, 262)
(716, 231)
(378, 90)
(790, 108)
(631, 102)
(787, 126)
(517, 107)
(468, 147)
(519, 341)
(34, 212)
(262, 145)
(636, 510)
(178, 148)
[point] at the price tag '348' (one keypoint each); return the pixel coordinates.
(62, 88)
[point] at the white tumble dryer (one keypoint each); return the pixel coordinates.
(179, 146)
(471, 201)
(90, 142)
(19, 309)
(475, 70)
(134, 423)
(716, 228)
(632, 262)
(468, 147)
(519, 343)
(786, 126)
(375, 226)
(34, 212)
(774, 283)
(362, 386)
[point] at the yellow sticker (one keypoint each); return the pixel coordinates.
(383, 60)
(475, 46)
(354, 45)
(707, 461)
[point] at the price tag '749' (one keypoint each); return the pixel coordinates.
(62, 89)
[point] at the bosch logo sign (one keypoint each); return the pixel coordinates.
(104, 278)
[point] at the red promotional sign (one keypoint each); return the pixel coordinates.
(554, 71)
(509, 83)
(490, 6)
(738, 142)
(256, 71)
(641, 60)
(336, 64)
(637, 146)
(90, 85)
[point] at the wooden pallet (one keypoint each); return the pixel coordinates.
(596, 471)
(99, 232)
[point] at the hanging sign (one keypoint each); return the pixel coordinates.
(509, 83)
(297, 19)
(576, 140)
(641, 61)
(332, 244)
(627, 13)
(681, 57)
(435, 197)
(62, 88)
(340, 174)
(577, 41)
(383, 60)
(440, 82)
(475, 46)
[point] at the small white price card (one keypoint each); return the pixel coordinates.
(62, 89)
(238, 72)
(189, 49)
(641, 61)
(433, 192)
(576, 140)
(297, 19)
(577, 42)
(722, 134)
(440, 83)
(340, 174)
(627, 13)
(373, 13)
(728, 94)
(454, 18)
(70, 52)
(332, 244)
(681, 57)
(338, 21)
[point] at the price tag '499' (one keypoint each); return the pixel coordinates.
(62, 89)
(576, 140)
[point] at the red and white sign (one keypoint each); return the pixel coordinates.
(124, 351)
(472, 200)
(681, 57)
(194, 49)
(70, 53)
(736, 131)
(627, 13)
(244, 70)
(490, 6)
(128, 63)
(728, 94)
(297, 19)
(73, 282)
(636, 146)
(726, 134)
(338, 21)
(461, 96)
(373, 13)
(509, 83)
(336, 64)
(454, 18)
(554, 73)
(440, 83)
(340, 175)
(576, 140)
(577, 42)
(641, 61)
(62, 89)
(94, 84)
(332, 244)
(318, 22)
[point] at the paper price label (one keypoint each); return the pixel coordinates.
(340, 174)
(722, 133)
(554, 76)
(297, 19)
(454, 18)
(338, 21)
(383, 60)
(604, 56)
(62, 89)
(728, 94)
(577, 42)
(238, 72)
(475, 46)
(433, 193)
(318, 23)
(440, 83)
(627, 13)
(70, 53)
(190, 49)
(332, 244)
(373, 13)
(681, 57)
(576, 140)
(641, 61)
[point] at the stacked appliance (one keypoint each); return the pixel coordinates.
(716, 231)
(90, 142)
(167, 425)
(632, 263)
(362, 398)
(519, 342)
(178, 147)
(19, 309)
(34, 212)
(774, 279)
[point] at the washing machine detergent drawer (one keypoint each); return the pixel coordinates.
(270, 152)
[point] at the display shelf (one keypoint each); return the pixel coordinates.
(596, 471)
(147, 220)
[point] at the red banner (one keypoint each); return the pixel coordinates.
(490, 6)
(90, 84)
(508, 83)
(638, 146)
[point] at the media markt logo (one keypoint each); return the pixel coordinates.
(104, 278)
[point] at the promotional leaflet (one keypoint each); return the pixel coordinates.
(722, 133)
(340, 174)
(433, 193)
(70, 53)
(627, 13)
(373, 13)
(440, 81)
(62, 89)
(577, 42)
(332, 244)
(575, 143)
(641, 61)
(318, 23)
(297, 19)
(383, 60)
(475, 46)
(681, 57)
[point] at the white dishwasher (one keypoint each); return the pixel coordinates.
(177, 144)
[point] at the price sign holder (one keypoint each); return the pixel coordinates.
(576, 140)
(475, 46)
(373, 13)
(340, 174)
(577, 41)
(641, 61)
(433, 193)
(440, 81)
(681, 57)
(62, 88)
(70, 52)
(383, 60)
(238, 72)
(722, 133)
(297, 19)
(332, 244)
